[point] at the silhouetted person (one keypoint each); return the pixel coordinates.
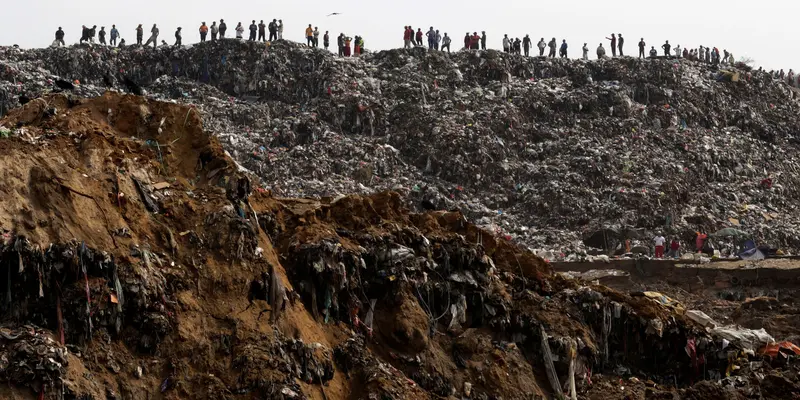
(214, 31)
(223, 27)
(273, 30)
(178, 37)
(613, 40)
(114, 35)
(153, 37)
(139, 34)
(102, 35)
(60, 36)
(483, 40)
(666, 48)
(253, 31)
(642, 45)
(262, 31)
(620, 42)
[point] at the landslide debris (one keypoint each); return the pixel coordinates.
(140, 261)
(545, 152)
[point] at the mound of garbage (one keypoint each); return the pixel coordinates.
(545, 152)
(143, 262)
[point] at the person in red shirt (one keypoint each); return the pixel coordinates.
(475, 41)
(419, 36)
(674, 249)
(407, 37)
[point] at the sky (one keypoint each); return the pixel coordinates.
(762, 31)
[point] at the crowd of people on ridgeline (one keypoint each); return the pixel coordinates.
(257, 32)
(436, 41)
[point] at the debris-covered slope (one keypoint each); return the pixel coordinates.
(140, 262)
(547, 151)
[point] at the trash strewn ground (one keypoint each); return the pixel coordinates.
(142, 262)
(545, 152)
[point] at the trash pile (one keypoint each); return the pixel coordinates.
(545, 152)
(142, 261)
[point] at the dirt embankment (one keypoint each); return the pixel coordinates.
(141, 262)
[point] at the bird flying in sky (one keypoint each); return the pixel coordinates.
(334, 14)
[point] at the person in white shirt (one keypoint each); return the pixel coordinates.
(659, 242)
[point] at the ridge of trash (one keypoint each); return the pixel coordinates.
(545, 152)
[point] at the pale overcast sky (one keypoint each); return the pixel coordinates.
(760, 30)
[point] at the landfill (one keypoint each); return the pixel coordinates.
(546, 152)
(234, 220)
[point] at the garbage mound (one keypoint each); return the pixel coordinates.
(141, 261)
(545, 152)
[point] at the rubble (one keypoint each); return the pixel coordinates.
(545, 152)
(131, 236)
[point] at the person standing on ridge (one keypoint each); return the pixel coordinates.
(139, 34)
(506, 43)
(653, 52)
(316, 37)
(438, 40)
(407, 32)
(326, 40)
(642, 45)
(214, 31)
(84, 34)
(102, 35)
(253, 31)
(431, 34)
(60, 36)
(114, 35)
(467, 41)
(178, 37)
(203, 32)
(620, 42)
(678, 51)
(541, 46)
(309, 36)
(273, 30)
(262, 31)
(563, 50)
(153, 37)
(601, 52)
(280, 29)
(239, 31)
(585, 51)
(552, 45)
(222, 28)
(613, 40)
(483, 40)
(667, 47)
(92, 33)
(446, 42)
(340, 41)
(419, 37)
(347, 41)
(526, 44)
(475, 42)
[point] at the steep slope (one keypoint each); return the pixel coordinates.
(141, 262)
(545, 151)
